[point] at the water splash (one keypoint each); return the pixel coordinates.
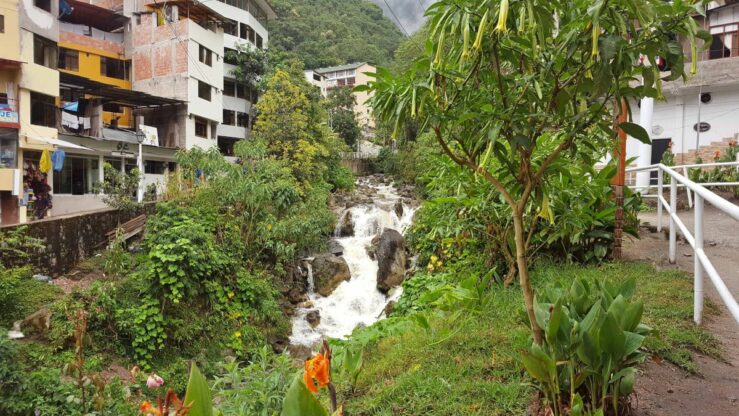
(357, 301)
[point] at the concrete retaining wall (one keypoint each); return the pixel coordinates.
(70, 239)
(359, 167)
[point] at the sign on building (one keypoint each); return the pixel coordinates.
(152, 136)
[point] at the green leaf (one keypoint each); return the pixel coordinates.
(299, 401)
(612, 338)
(636, 131)
(633, 342)
(198, 396)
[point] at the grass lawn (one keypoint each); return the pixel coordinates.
(469, 366)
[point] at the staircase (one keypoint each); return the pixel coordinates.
(706, 152)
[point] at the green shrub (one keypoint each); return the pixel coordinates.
(592, 344)
(21, 294)
(256, 388)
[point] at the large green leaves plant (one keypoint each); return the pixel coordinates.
(592, 339)
(513, 100)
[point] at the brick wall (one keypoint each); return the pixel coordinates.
(90, 42)
(73, 238)
(706, 152)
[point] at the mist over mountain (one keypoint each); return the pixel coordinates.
(406, 14)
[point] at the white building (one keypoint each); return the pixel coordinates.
(709, 99)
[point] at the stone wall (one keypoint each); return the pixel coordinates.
(73, 238)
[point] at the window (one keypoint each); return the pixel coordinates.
(172, 166)
(44, 52)
(259, 42)
(316, 77)
(241, 91)
(229, 56)
(201, 127)
(251, 33)
(206, 56)
(243, 120)
(43, 4)
(350, 81)
(243, 31)
(229, 88)
(2, 24)
(231, 27)
(204, 90)
(228, 117)
(8, 148)
(43, 110)
(113, 68)
(77, 177)
(69, 59)
(154, 167)
(724, 45)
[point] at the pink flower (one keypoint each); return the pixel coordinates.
(154, 381)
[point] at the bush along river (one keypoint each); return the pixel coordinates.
(357, 282)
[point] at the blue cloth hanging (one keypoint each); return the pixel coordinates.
(57, 160)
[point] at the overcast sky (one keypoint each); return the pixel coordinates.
(409, 13)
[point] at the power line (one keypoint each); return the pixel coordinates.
(390, 9)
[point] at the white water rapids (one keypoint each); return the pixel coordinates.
(356, 301)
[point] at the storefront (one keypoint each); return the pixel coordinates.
(9, 176)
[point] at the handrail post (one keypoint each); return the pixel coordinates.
(698, 267)
(687, 190)
(659, 198)
(673, 212)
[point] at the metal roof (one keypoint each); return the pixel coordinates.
(339, 67)
(127, 98)
(95, 16)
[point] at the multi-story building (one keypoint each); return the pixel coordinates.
(179, 51)
(346, 76)
(85, 77)
(697, 117)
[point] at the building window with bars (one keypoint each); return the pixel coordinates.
(69, 59)
(201, 127)
(43, 110)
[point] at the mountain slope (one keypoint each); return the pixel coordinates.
(332, 32)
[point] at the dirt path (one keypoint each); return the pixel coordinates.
(664, 389)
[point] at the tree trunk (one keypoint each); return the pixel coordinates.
(523, 272)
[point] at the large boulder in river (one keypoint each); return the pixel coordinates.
(391, 260)
(346, 226)
(328, 272)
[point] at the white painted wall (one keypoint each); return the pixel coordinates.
(677, 116)
(241, 16)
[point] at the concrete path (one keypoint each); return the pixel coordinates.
(663, 389)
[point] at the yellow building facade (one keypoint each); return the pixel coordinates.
(101, 61)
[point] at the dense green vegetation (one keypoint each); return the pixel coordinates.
(332, 32)
(207, 280)
(499, 127)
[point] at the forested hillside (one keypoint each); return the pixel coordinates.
(331, 32)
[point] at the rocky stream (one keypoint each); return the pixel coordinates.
(358, 280)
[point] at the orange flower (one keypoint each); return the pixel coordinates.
(147, 409)
(316, 368)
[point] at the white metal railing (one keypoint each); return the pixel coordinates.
(700, 259)
(684, 170)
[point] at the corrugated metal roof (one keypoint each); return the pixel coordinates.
(344, 67)
(119, 135)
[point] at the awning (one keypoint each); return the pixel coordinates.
(55, 142)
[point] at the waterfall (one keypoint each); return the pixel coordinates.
(309, 278)
(355, 302)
